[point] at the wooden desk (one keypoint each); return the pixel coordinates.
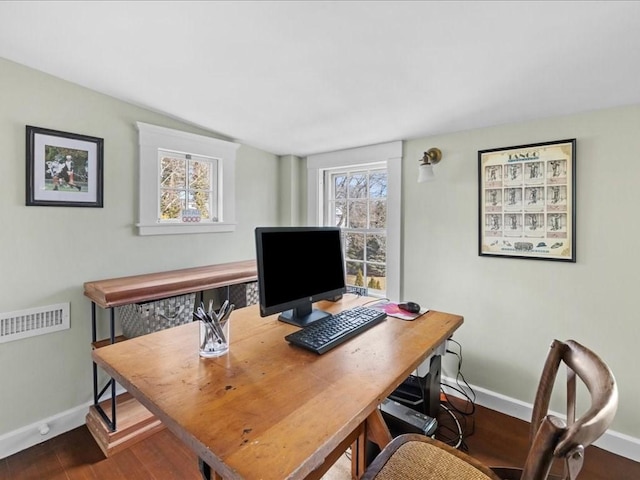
(267, 409)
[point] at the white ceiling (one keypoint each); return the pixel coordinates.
(309, 77)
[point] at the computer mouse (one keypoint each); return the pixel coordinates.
(411, 307)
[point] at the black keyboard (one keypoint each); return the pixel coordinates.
(327, 333)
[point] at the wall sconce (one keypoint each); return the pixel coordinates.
(425, 170)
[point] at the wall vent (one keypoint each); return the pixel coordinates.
(33, 321)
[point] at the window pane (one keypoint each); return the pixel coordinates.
(358, 185)
(378, 214)
(199, 175)
(355, 274)
(357, 214)
(172, 202)
(338, 213)
(354, 246)
(376, 278)
(378, 185)
(339, 186)
(377, 248)
(200, 201)
(172, 172)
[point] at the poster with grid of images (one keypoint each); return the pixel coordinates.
(527, 201)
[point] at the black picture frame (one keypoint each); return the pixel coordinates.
(63, 169)
(527, 201)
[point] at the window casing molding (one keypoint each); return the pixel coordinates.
(153, 138)
(391, 153)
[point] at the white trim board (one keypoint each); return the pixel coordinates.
(29, 435)
(612, 441)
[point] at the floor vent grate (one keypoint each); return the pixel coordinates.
(33, 321)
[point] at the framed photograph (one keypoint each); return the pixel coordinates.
(63, 169)
(527, 201)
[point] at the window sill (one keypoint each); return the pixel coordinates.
(184, 228)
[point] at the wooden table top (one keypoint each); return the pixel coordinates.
(113, 292)
(269, 410)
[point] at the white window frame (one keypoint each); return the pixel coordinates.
(391, 153)
(153, 138)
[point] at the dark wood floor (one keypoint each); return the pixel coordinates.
(495, 439)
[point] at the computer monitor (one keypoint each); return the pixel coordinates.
(296, 267)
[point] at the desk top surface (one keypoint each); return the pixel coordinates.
(267, 409)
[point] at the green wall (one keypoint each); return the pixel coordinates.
(513, 308)
(47, 253)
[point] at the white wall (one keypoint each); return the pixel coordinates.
(47, 253)
(513, 308)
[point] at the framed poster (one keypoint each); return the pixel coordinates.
(63, 169)
(527, 198)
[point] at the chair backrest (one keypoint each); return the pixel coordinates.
(552, 437)
(413, 456)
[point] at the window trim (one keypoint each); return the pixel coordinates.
(391, 153)
(152, 138)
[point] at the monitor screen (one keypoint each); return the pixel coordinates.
(296, 267)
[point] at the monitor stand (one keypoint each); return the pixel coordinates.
(302, 316)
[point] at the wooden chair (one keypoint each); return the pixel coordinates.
(416, 457)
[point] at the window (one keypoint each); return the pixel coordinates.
(188, 187)
(356, 201)
(359, 191)
(187, 182)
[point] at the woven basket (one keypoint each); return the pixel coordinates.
(143, 318)
(243, 294)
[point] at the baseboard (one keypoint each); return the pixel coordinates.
(612, 441)
(30, 435)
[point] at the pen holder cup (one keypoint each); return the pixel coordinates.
(214, 339)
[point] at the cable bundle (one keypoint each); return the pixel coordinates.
(455, 419)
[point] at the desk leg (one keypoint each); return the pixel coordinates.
(359, 456)
(205, 471)
(375, 430)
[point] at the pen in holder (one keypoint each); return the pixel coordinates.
(214, 329)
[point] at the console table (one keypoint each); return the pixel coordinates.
(133, 422)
